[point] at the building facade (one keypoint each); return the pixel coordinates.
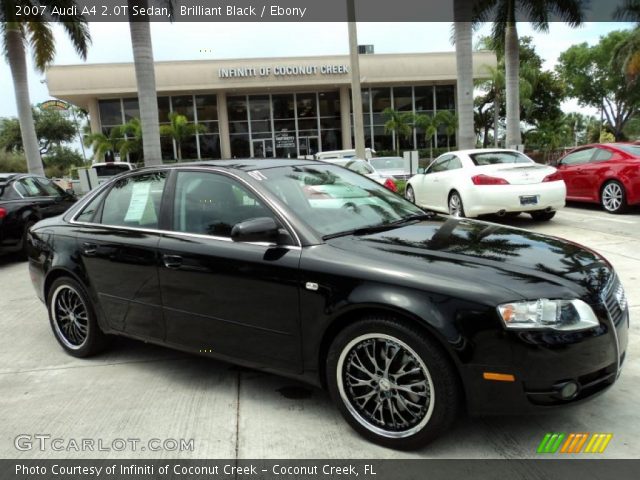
(272, 107)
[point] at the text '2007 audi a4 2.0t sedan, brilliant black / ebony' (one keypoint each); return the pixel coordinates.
(312, 271)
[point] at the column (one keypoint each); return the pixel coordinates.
(94, 115)
(345, 117)
(223, 125)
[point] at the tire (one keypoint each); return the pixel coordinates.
(79, 335)
(542, 215)
(455, 205)
(409, 194)
(385, 417)
(613, 198)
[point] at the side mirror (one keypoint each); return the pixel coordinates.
(421, 170)
(261, 229)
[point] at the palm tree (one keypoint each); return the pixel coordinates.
(429, 124)
(503, 14)
(133, 139)
(400, 123)
(462, 15)
(146, 81)
(17, 32)
(450, 123)
(627, 54)
(101, 144)
(180, 130)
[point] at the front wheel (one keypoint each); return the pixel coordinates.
(73, 319)
(392, 383)
(613, 197)
(456, 208)
(543, 215)
(409, 194)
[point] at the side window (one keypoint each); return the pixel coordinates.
(578, 158)
(602, 155)
(88, 213)
(28, 187)
(440, 165)
(454, 164)
(211, 204)
(50, 188)
(134, 201)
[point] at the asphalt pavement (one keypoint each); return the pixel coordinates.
(142, 392)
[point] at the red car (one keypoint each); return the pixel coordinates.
(608, 174)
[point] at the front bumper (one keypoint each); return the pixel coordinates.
(544, 362)
(488, 199)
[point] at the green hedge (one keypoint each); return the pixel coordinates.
(11, 162)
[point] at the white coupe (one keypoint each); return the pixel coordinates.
(469, 183)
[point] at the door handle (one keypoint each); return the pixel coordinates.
(89, 249)
(172, 261)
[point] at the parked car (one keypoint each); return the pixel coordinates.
(106, 170)
(364, 168)
(469, 183)
(608, 174)
(25, 199)
(390, 167)
(350, 153)
(404, 316)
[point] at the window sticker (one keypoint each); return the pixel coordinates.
(139, 206)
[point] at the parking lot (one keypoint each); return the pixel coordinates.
(138, 391)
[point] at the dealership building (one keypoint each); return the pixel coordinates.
(272, 107)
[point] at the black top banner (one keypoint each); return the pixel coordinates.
(305, 10)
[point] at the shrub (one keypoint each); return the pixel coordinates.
(12, 162)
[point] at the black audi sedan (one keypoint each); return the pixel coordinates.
(312, 271)
(24, 200)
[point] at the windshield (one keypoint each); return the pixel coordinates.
(493, 158)
(387, 163)
(631, 149)
(333, 200)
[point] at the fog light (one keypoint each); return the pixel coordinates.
(569, 390)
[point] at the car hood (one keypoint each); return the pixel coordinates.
(483, 259)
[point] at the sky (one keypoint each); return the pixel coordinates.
(209, 41)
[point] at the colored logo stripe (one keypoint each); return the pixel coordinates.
(574, 442)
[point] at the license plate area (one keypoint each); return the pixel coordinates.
(528, 200)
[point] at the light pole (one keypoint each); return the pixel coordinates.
(356, 94)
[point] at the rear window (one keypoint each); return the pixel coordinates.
(110, 170)
(631, 149)
(494, 158)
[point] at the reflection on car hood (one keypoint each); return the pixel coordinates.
(481, 254)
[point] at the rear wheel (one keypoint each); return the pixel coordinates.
(409, 194)
(456, 208)
(613, 197)
(543, 215)
(392, 383)
(73, 319)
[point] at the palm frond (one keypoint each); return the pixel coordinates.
(41, 41)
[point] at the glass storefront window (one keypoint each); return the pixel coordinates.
(402, 99)
(189, 149)
(210, 127)
(260, 108)
(283, 106)
(238, 127)
(329, 104)
(445, 97)
(240, 146)
(307, 105)
(308, 124)
(163, 109)
(110, 113)
(183, 105)
(382, 139)
(380, 99)
(131, 109)
(280, 125)
(209, 146)
(424, 98)
(166, 146)
(206, 108)
(331, 140)
(237, 108)
(260, 126)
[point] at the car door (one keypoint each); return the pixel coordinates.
(572, 169)
(234, 299)
(596, 171)
(432, 184)
(117, 238)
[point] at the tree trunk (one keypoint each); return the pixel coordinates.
(179, 151)
(496, 117)
(18, 66)
(464, 69)
(512, 72)
(146, 81)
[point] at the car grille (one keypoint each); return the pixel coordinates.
(615, 300)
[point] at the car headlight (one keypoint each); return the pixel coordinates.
(565, 315)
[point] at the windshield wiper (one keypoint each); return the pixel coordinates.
(381, 227)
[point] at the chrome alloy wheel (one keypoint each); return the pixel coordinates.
(409, 194)
(455, 205)
(385, 385)
(612, 196)
(70, 317)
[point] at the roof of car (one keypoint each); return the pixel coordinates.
(472, 151)
(248, 164)
(5, 177)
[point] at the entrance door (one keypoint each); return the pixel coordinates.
(308, 145)
(263, 148)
